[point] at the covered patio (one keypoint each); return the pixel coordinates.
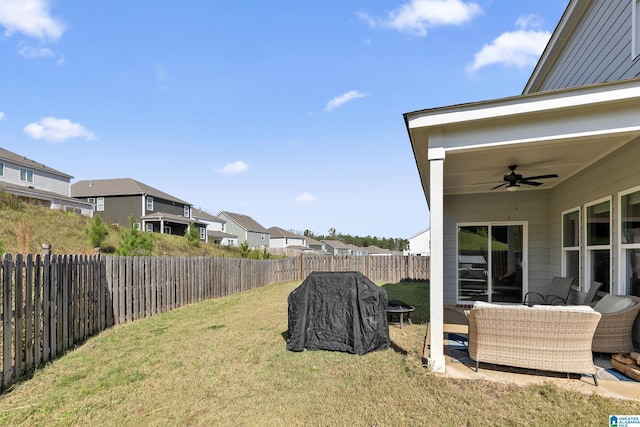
(587, 136)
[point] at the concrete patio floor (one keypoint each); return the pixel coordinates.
(455, 321)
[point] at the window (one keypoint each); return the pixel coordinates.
(630, 241)
(100, 204)
(635, 28)
(571, 244)
(598, 243)
(91, 200)
(1, 169)
(203, 233)
(149, 227)
(187, 211)
(26, 175)
(149, 203)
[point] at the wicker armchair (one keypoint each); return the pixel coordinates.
(614, 331)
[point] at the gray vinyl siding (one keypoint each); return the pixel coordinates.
(257, 240)
(599, 49)
(117, 209)
(608, 177)
(501, 206)
(165, 206)
(42, 180)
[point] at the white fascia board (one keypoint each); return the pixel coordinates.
(526, 104)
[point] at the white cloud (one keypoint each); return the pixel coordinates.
(521, 48)
(1, 116)
(30, 52)
(305, 198)
(417, 16)
(233, 168)
(58, 130)
(339, 100)
(31, 18)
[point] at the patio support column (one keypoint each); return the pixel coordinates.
(436, 307)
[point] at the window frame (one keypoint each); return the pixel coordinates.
(26, 175)
(1, 169)
(100, 204)
(149, 204)
(186, 212)
(624, 288)
(589, 249)
(566, 249)
(203, 233)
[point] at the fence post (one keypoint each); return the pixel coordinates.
(46, 249)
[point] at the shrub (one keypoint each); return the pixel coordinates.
(193, 235)
(134, 242)
(97, 232)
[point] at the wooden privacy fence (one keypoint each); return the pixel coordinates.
(52, 303)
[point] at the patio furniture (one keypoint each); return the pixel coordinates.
(548, 338)
(614, 332)
(557, 294)
(593, 291)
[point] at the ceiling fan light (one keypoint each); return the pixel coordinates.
(513, 187)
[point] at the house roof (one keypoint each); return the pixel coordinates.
(197, 213)
(336, 244)
(28, 163)
(245, 222)
(375, 250)
(119, 187)
(553, 132)
(312, 242)
(279, 233)
(24, 191)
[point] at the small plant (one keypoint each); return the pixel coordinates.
(265, 253)
(97, 232)
(193, 235)
(134, 242)
(244, 249)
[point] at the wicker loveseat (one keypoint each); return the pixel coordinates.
(548, 338)
(614, 332)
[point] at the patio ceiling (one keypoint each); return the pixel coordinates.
(557, 132)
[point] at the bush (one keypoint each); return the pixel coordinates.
(97, 232)
(134, 242)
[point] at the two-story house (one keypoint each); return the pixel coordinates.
(37, 183)
(246, 228)
(152, 209)
(215, 228)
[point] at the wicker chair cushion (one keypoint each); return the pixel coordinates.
(613, 304)
(584, 308)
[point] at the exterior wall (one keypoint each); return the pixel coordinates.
(502, 206)
(420, 244)
(608, 177)
(117, 209)
(599, 50)
(257, 240)
(41, 180)
(277, 242)
(164, 206)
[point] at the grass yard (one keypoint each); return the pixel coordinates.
(224, 363)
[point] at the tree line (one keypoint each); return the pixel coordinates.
(391, 243)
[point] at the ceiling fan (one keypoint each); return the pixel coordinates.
(513, 180)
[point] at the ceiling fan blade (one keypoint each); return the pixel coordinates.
(553, 175)
(524, 181)
(501, 185)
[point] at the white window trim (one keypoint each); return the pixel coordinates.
(149, 203)
(187, 211)
(635, 29)
(100, 204)
(588, 248)
(564, 249)
(203, 233)
(28, 173)
(621, 285)
(1, 169)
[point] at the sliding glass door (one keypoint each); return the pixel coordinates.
(491, 262)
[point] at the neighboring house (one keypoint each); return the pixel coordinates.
(336, 247)
(246, 228)
(374, 250)
(419, 244)
(280, 238)
(315, 245)
(571, 206)
(153, 210)
(357, 250)
(215, 229)
(34, 182)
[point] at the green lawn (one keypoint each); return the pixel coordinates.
(224, 363)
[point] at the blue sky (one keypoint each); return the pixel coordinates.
(287, 111)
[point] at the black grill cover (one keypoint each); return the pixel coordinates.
(340, 311)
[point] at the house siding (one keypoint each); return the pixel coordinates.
(42, 180)
(530, 207)
(599, 50)
(117, 209)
